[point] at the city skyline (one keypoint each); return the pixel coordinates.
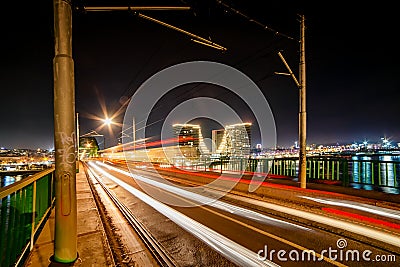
(351, 67)
(208, 134)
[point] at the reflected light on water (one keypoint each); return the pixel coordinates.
(7, 180)
(376, 172)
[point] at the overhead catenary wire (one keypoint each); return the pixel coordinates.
(149, 59)
(194, 37)
(198, 38)
(240, 62)
(244, 61)
(266, 27)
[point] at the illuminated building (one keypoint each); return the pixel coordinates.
(190, 140)
(236, 141)
(217, 137)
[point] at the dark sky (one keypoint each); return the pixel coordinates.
(352, 60)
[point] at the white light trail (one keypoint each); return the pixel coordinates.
(352, 227)
(243, 212)
(229, 249)
(359, 206)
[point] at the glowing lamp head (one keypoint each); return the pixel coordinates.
(107, 121)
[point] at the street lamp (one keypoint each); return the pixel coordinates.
(108, 121)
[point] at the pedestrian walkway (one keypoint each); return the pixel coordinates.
(93, 248)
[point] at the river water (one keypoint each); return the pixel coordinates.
(376, 172)
(10, 179)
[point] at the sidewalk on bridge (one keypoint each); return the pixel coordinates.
(93, 247)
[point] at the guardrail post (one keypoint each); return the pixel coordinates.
(379, 174)
(33, 215)
(345, 173)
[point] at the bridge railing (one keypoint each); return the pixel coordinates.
(24, 207)
(374, 172)
(338, 170)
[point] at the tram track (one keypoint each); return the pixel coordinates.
(223, 221)
(303, 204)
(159, 253)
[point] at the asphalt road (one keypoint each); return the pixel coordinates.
(225, 231)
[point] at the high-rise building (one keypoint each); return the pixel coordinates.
(190, 140)
(236, 140)
(217, 137)
(187, 134)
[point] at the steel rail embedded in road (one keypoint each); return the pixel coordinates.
(156, 249)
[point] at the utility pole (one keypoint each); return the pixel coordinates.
(77, 142)
(302, 111)
(65, 239)
(302, 104)
(300, 85)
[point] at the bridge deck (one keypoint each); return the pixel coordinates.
(93, 248)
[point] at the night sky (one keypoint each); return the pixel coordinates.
(352, 60)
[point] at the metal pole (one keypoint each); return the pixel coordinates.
(302, 111)
(135, 8)
(65, 239)
(134, 135)
(77, 142)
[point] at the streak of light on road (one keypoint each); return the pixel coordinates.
(352, 227)
(243, 212)
(359, 206)
(332, 222)
(272, 236)
(229, 249)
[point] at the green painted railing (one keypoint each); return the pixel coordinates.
(24, 208)
(375, 172)
(337, 170)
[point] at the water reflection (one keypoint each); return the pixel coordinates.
(376, 172)
(9, 179)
